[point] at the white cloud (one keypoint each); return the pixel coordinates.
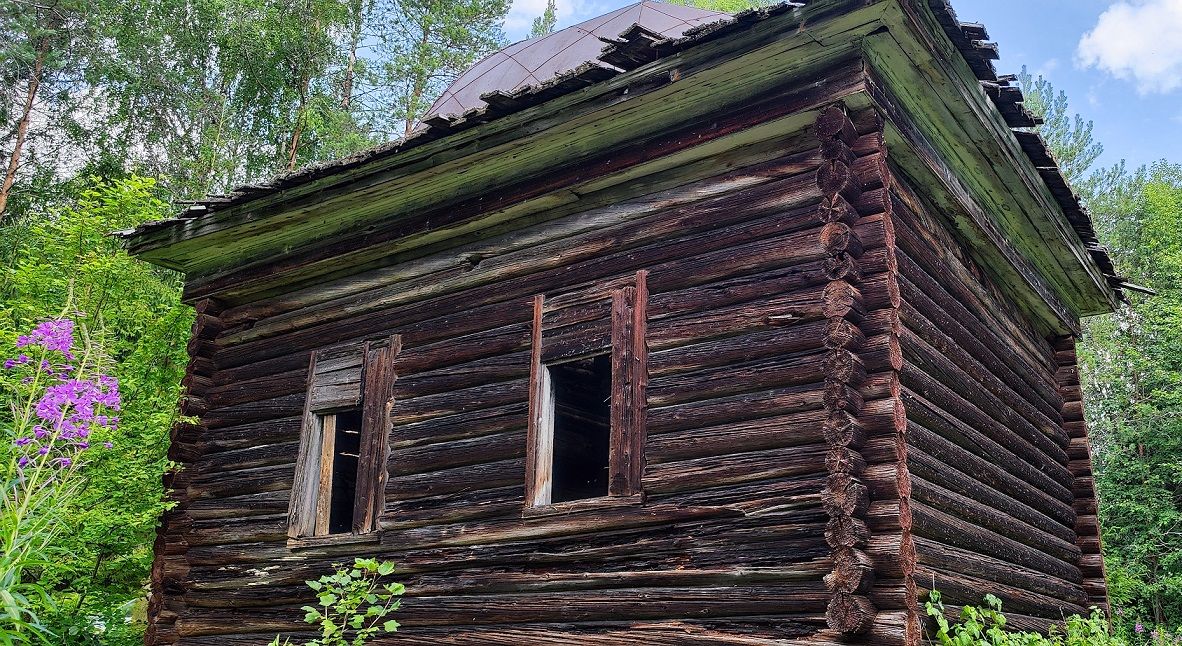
(1047, 68)
(1137, 40)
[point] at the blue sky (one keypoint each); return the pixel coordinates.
(1120, 61)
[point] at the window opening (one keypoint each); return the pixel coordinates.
(582, 428)
(346, 452)
(341, 468)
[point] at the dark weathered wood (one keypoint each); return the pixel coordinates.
(305, 488)
(380, 374)
(1087, 523)
(630, 386)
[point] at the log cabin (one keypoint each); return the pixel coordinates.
(670, 328)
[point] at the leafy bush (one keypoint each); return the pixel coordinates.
(61, 254)
(986, 626)
(353, 604)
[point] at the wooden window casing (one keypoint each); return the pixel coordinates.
(604, 320)
(355, 378)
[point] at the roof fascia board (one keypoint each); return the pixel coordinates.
(307, 269)
(935, 86)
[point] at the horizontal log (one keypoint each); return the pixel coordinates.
(929, 522)
(688, 475)
(934, 449)
(937, 556)
(936, 407)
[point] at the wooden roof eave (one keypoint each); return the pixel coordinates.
(228, 237)
(937, 92)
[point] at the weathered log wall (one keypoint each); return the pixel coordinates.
(773, 355)
(842, 411)
(994, 497)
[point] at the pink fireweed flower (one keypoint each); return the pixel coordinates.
(57, 336)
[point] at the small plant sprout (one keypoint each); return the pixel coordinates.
(352, 605)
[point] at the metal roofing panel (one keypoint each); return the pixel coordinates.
(540, 59)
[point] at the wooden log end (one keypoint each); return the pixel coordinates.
(834, 123)
(850, 614)
(840, 299)
(840, 333)
(846, 461)
(842, 429)
(835, 149)
(846, 531)
(844, 366)
(853, 572)
(836, 208)
(844, 494)
(839, 238)
(842, 267)
(837, 178)
(839, 396)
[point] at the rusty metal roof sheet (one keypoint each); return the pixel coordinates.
(537, 60)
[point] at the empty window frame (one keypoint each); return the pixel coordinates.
(341, 469)
(586, 433)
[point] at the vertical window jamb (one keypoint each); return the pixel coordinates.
(540, 433)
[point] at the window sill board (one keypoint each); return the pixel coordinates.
(579, 506)
(312, 542)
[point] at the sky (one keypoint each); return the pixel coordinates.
(1119, 61)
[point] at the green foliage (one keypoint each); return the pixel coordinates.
(352, 604)
(61, 255)
(1132, 366)
(986, 626)
(546, 22)
(423, 46)
(1068, 135)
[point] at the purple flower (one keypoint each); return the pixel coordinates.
(57, 335)
(108, 445)
(9, 364)
(23, 462)
(63, 462)
(1139, 628)
(82, 446)
(24, 441)
(24, 358)
(43, 450)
